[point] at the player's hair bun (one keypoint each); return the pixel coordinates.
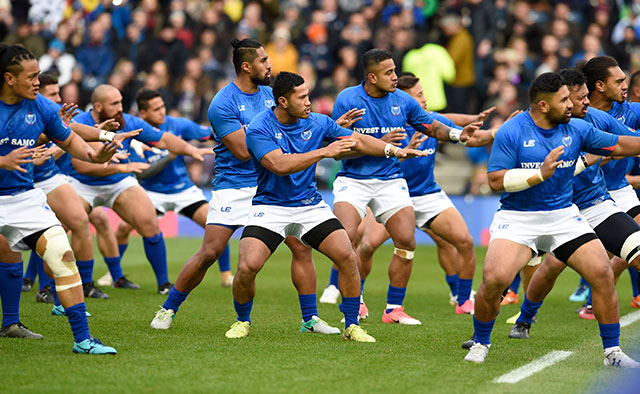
(235, 43)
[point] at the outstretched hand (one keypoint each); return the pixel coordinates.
(120, 137)
(13, 160)
(339, 147)
(468, 131)
(394, 137)
(105, 153)
(68, 112)
(551, 162)
(350, 117)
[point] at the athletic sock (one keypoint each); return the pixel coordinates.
(333, 279)
(362, 287)
(10, 291)
(32, 269)
(590, 298)
(350, 306)
(56, 300)
(85, 267)
(308, 306)
(224, 261)
(122, 248)
(515, 285)
(464, 290)
(43, 278)
(634, 281)
(610, 334)
(77, 315)
(243, 310)
(583, 282)
(175, 299)
(528, 310)
(156, 253)
(395, 297)
(452, 281)
(115, 268)
(483, 331)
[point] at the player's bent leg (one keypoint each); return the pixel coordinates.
(448, 260)
(56, 252)
(504, 259)
(123, 231)
(108, 247)
(350, 218)
(10, 291)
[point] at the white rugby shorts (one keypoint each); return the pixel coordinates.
(176, 202)
(429, 206)
(230, 207)
(104, 195)
(381, 196)
(625, 198)
(50, 184)
(541, 231)
(600, 212)
(24, 214)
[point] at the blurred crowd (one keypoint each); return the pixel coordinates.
(469, 54)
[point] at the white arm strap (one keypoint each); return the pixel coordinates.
(515, 180)
(580, 165)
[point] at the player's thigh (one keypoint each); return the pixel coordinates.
(590, 260)
(401, 228)
(6, 254)
(374, 235)
(299, 251)
(504, 259)
(450, 226)
(134, 206)
(254, 253)
(68, 206)
(337, 247)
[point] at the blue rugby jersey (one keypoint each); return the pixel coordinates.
(614, 171)
(148, 134)
(635, 170)
(266, 134)
(174, 178)
(231, 109)
(520, 143)
(382, 115)
(419, 171)
(20, 125)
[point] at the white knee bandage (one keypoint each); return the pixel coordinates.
(405, 254)
(631, 247)
(57, 246)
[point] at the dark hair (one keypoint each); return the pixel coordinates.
(406, 82)
(244, 51)
(373, 57)
(634, 79)
(144, 96)
(597, 69)
(572, 77)
(47, 79)
(285, 83)
(10, 58)
(544, 84)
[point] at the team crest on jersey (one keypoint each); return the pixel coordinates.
(566, 141)
(621, 118)
(395, 110)
(268, 103)
(306, 135)
(30, 118)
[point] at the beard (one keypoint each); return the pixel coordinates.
(119, 117)
(263, 82)
(559, 118)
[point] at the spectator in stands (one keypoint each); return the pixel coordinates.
(461, 49)
(95, 56)
(283, 55)
(431, 63)
(57, 62)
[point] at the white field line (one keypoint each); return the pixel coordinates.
(629, 318)
(533, 367)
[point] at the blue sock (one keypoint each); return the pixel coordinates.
(610, 334)
(243, 310)
(350, 306)
(175, 299)
(122, 248)
(85, 267)
(483, 331)
(10, 291)
(308, 306)
(56, 301)
(528, 310)
(32, 269)
(333, 279)
(156, 253)
(395, 296)
(634, 281)
(115, 268)
(583, 282)
(362, 286)
(464, 290)
(452, 281)
(77, 316)
(43, 278)
(590, 298)
(515, 284)
(224, 261)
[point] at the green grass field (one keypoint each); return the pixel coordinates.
(194, 355)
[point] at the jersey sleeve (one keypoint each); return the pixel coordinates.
(224, 120)
(503, 152)
(339, 107)
(334, 131)
(417, 117)
(55, 128)
(598, 142)
(190, 130)
(620, 128)
(259, 142)
(444, 120)
(148, 134)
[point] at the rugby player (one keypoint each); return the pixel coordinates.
(532, 163)
(285, 144)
